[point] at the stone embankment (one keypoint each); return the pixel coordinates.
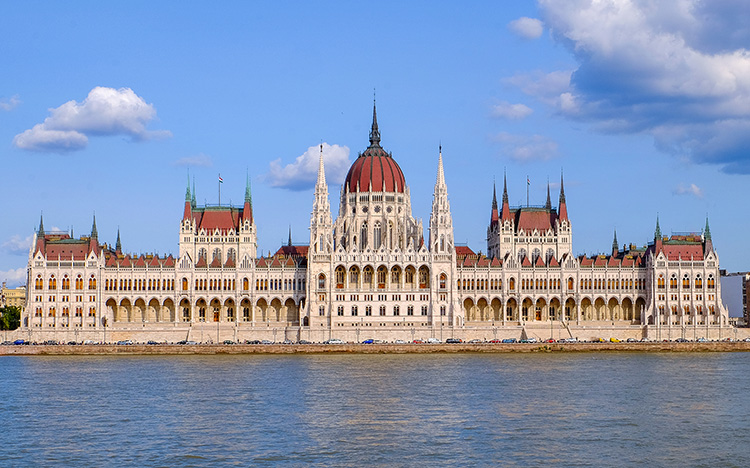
(173, 349)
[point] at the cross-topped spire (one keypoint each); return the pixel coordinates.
(289, 242)
(248, 193)
(187, 192)
(94, 232)
(657, 233)
(41, 225)
(118, 244)
(548, 205)
(707, 231)
(615, 245)
(494, 196)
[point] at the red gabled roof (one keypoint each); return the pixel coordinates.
(275, 263)
(141, 262)
(290, 262)
(469, 261)
(112, 261)
(586, 262)
(229, 263)
(526, 262)
(530, 219)
(613, 261)
(683, 251)
(553, 262)
(288, 250)
(601, 260)
(539, 261)
(201, 263)
(169, 262)
(462, 250)
(261, 262)
(125, 262)
(215, 263)
(154, 261)
(496, 262)
(483, 262)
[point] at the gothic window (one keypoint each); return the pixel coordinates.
(367, 276)
(686, 281)
(353, 276)
(521, 255)
(321, 281)
(245, 284)
(424, 310)
(363, 236)
(340, 274)
(442, 243)
(396, 276)
(549, 255)
(382, 274)
(570, 283)
(216, 255)
(232, 255)
(710, 284)
(535, 254)
(184, 284)
(66, 282)
(322, 310)
(340, 311)
(202, 253)
(424, 277)
(355, 311)
(512, 284)
(39, 283)
(52, 282)
(673, 282)
(377, 235)
(660, 282)
(396, 310)
(382, 310)
(79, 283)
(698, 282)
(409, 276)
(443, 280)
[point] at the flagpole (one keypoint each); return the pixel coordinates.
(219, 189)
(528, 182)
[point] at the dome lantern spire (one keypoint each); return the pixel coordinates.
(374, 132)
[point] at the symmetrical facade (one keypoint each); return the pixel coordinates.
(372, 273)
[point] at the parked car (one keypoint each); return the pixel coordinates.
(509, 340)
(495, 341)
(20, 342)
(614, 340)
(125, 342)
(417, 341)
(433, 340)
(682, 340)
(368, 341)
(303, 342)
(334, 341)
(229, 342)
(453, 340)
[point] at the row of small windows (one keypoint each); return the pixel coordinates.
(52, 312)
(543, 284)
(216, 254)
(295, 284)
(138, 285)
(698, 282)
(612, 284)
(675, 310)
(382, 311)
(64, 282)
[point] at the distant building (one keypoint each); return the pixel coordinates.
(371, 272)
(734, 291)
(13, 297)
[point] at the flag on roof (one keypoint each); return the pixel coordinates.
(221, 181)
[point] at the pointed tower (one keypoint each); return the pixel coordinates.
(188, 211)
(505, 213)
(40, 235)
(118, 244)
(40, 232)
(94, 231)
(657, 236)
(548, 205)
(192, 200)
(441, 221)
(494, 216)
(321, 222)
(247, 209)
(562, 211)
(708, 245)
(615, 246)
(289, 242)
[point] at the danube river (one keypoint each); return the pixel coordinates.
(589, 409)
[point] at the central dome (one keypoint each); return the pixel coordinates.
(375, 170)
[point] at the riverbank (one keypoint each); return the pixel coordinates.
(206, 349)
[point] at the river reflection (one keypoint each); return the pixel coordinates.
(609, 409)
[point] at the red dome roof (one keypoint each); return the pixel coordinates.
(375, 167)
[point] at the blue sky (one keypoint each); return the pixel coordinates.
(105, 108)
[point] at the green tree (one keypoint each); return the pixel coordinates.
(10, 318)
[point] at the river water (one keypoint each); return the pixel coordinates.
(588, 409)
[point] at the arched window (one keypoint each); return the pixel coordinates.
(395, 276)
(52, 282)
(673, 282)
(363, 236)
(512, 284)
(443, 280)
(321, 281)
(232, 254)
(382, 274)
(340, 276)
(535, 254)
(245, 284)
(424, 277)
(184, 284)
(660, 282)
(79, 283)
(367, 276)
(549, 255)
(686, 281)
(66, 282)
(698, 282)
(570, 283)
(216, 255)
(711, 284)
(442, 243)
(39, 283)
(521, 255)
(202, 253)
(376, 237)
(409, 275)
(354, 276)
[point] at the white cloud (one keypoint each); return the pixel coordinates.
(104, 112)
(523, 148)
(678, 70)
(527, 28)
(199, 160)
(10, 103)
(17, 245)
(506, 110)
(303, 172)
(691, 189)
(14, 278)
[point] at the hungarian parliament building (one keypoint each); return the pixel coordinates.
(372, 273)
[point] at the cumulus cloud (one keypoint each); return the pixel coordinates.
(17, 245)
(104, 112)
(691, 189)
(14, 278)
(9, 103)
(527, 28)
(678, 70)
(303, 172)
(506, 110)
(199, 160)
(523, 148)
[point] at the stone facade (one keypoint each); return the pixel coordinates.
(371, 273)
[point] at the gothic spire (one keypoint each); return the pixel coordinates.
(707, 231)
(562, 189)
(562, 211)
(192, 200)
(321, 170)
(505, 188)
(657, 233)
(374, 132)
(548, 205)
(289, 242)
(441, 172)
(494, 197)
(615, 245)
(708, 244)
(505, 213)
(94, 232)
(248, 193)
(118, 244)
(41, 225)
(187, 192)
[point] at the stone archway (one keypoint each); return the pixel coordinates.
(587, 309)
(600, 310)
(540, 310)
(469, 309)
(627, 309)
(291, 312)
(168, 312)
(497, 309)
(152, 311)
(613, 310)
(483, 310)
(511, 310)
(275, 310)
